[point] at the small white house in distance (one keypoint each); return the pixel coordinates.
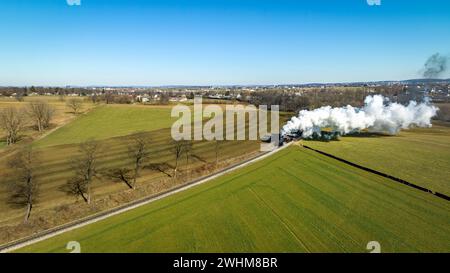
(142, 99)
(178, 98)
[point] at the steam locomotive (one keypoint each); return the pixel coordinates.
(281, 138)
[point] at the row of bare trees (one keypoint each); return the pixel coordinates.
(13, 120)
(37, 114)
(85, 166)
(311, 98)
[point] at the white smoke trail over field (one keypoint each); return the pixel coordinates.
(375, 116)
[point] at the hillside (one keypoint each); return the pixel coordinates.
(109, 121)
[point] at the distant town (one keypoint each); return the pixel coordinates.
(436, 90)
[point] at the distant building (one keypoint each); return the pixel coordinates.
(143, 98)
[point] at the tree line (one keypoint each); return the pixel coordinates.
(295, 100)
(36, 114)
(24, 184)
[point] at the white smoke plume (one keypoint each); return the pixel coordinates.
(375, 116)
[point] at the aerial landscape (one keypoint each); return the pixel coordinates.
(233, 127)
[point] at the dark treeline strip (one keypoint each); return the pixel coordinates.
(318, 97)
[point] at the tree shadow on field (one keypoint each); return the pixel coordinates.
(72, 188)
(199, 158)
(161, 167)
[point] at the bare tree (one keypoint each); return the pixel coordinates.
(139, 152)
(61, 94)
(24, 187)
(19, 97)
(75, 104)
(95, 98)
(164, 98)
(187, 148)
(41, 113)
(109, 98)
(12, 121)
(85, 167)
(217, 147)
(177, 147)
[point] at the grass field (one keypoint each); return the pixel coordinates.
(110, 121)
(420, 156)
(55, 168)
(112, 125)
(293, 201)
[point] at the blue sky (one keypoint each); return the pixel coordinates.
(167, 42)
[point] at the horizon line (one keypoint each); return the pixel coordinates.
(225, 85)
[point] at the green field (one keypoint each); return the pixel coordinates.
(420, 156)
(112, 125)
(110, 121)
(55, 168)
(293, 201)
